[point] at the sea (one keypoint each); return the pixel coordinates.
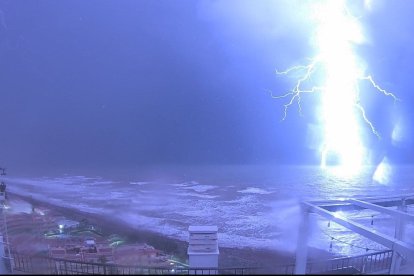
(254, 206)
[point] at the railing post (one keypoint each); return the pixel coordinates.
(364, 264)
(399, 234)
(302, 243)
(57, 267)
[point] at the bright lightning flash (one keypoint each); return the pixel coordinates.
(337, 31)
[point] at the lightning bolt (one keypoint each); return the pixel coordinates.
(336, 34)
(296, 92)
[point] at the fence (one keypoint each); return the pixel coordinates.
(363, 264)
(47, 265)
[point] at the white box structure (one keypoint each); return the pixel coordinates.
(203, 248)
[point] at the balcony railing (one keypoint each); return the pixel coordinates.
(368, 263)
(363, 264)
(47, 265)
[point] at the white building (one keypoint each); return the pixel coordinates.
(203, 248)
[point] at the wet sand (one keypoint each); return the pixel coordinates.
(229, 257)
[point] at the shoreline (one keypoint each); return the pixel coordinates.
(229, 256)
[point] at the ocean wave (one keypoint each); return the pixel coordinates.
(139, 183)
(253, 190)
(201, 188)
(196, 195)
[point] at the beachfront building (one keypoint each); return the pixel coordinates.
(87, 251)
(141, 254)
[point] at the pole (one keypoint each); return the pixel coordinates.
(302, 244)
(399, 235)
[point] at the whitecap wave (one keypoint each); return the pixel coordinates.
(253, 190)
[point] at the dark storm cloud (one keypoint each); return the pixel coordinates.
(140, 82)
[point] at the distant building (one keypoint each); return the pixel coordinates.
(87, 250)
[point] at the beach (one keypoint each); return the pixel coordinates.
(177, 249)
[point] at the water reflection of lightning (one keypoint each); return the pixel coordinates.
(336, 33)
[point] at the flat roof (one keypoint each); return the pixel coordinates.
(190, 252)
(202, 229)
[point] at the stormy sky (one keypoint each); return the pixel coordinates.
(101, 83)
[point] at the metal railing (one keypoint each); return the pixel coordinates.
(363, 264)
(47, 265)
